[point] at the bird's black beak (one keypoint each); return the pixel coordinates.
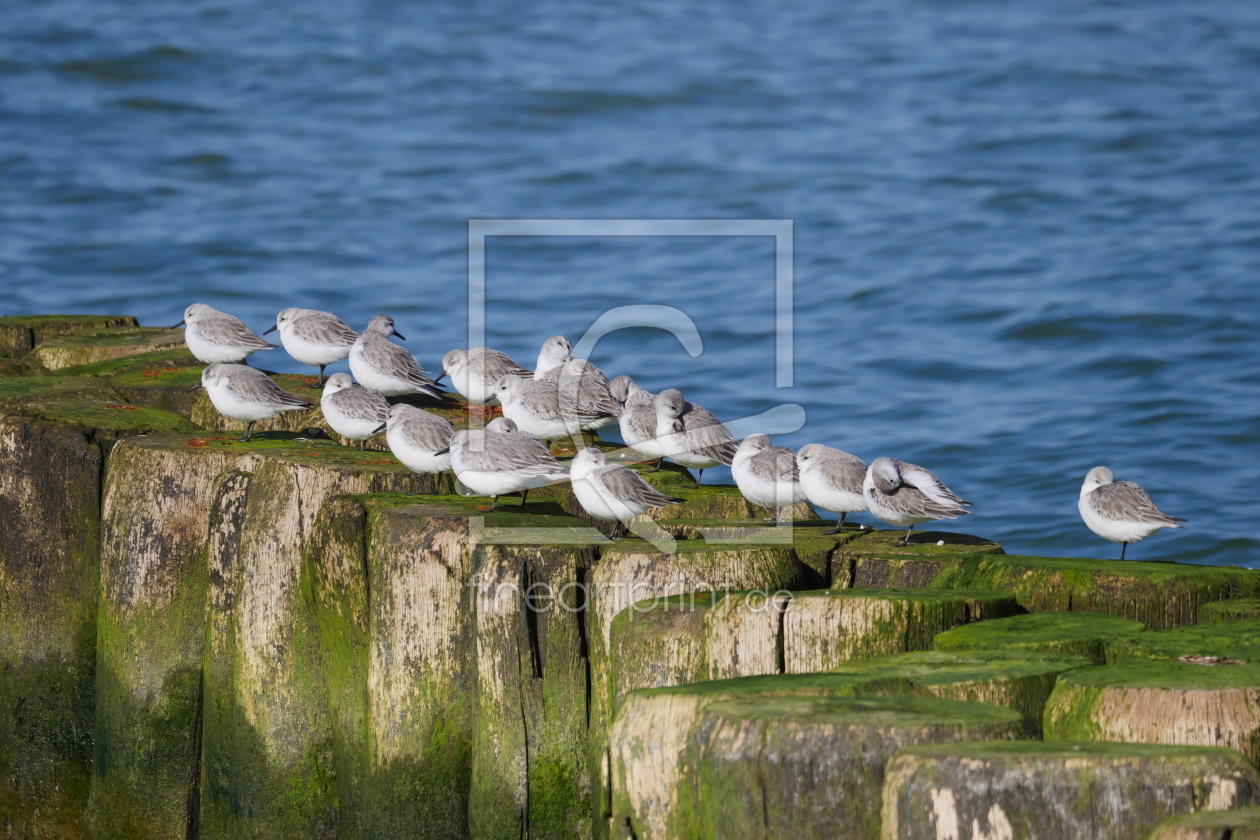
(195, 387)
(443, 452)
(273, 329)
(180, 324)
(400, 335)
(379, 429)
(440, 378)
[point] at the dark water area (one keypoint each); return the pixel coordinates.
(1026, 234)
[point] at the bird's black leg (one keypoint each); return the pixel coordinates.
(657, 468)
(320, 383)
(1123, 548)
(839, 525)
(615, 531)
(249, 432)
(363, 444)
(524, 493)
(494, 500)
(906, 539)
(696, 486)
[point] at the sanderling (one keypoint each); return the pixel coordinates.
(767, 475)
(353, 411)
(419, 439)
(1120, 511)
(833, 480)
(244, 394)
(383, 366)
(492, 464)
(904, 494)
(314, 338)
(582, 385)
(638, 417)
(475, 372)
(610, 491)
(535, 406)
(216, 337)
(691, 436)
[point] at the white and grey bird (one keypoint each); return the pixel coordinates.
(832, 480)
(246, 395)
(691, 436)
(767, 475)
(904, 494)
(475, 372)
(383, 366)
(611, 491)
(534, 405)
(494, 463)
(353, 411)
(583, 386)
(216, 337)
(313, 337)
(419, 439)
(638, 418)
(1120, 511)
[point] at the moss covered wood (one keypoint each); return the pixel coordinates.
(743, 635)
(1238, 824)
(651, 794)
(98, 344)
(1234, 609)
(814, 767)
(1056, 789)
(1160, 595)
(634, 571)
(824, 629)
(1081, 634)
(1021, 680)
(1230, 640)
(20, 334)
(1160, 703)
(659, 642)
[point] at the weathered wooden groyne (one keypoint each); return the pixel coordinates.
(292, 638)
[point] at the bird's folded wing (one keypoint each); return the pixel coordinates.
(627, 485)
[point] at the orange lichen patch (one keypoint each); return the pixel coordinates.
(197, 442)
(121, 407)
(160, 372)
(486, 413)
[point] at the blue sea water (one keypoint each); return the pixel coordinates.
(1026, 233)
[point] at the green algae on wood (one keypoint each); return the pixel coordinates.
(1082, 634)
(20, 334)
(743, 635)
(824, 629)
(1236, 824)
(649, 743)
(1056, 789)
(1234, 609)
(98, 344)
(1017, 679)
(1160, 595)
(1236, 640)
(1159, 703)
(49, 568)
(814, 767)
(659, 642)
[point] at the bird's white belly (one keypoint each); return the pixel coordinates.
(473, 388)
(229, 405)
(213, 354)
(370, 377)
(527, 421)
(1119, 531)
(766, 493)
(415, 458)
(354, 428)
(694, 460)
(819, 492)
(312, 353)
(592, 425)
(593, 499)
(493, 483)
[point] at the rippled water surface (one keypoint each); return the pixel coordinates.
(1027, 234)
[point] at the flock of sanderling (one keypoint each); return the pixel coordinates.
(563, 397)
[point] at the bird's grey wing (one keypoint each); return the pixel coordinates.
(230, 331)
(389, 357)
(260, 389)
(531, 446)
(628, 485)
(499, 365)
(362, 402)
(325, 329)
(1126, 501)
(844, 473)
(541, 398)
(643, 420)
(504, 453)
(775, 464)
(707, 436)
(926, 481)
(584, 387)
(428, 431)
(915, 502)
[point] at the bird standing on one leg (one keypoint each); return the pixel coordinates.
(1120, 511)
